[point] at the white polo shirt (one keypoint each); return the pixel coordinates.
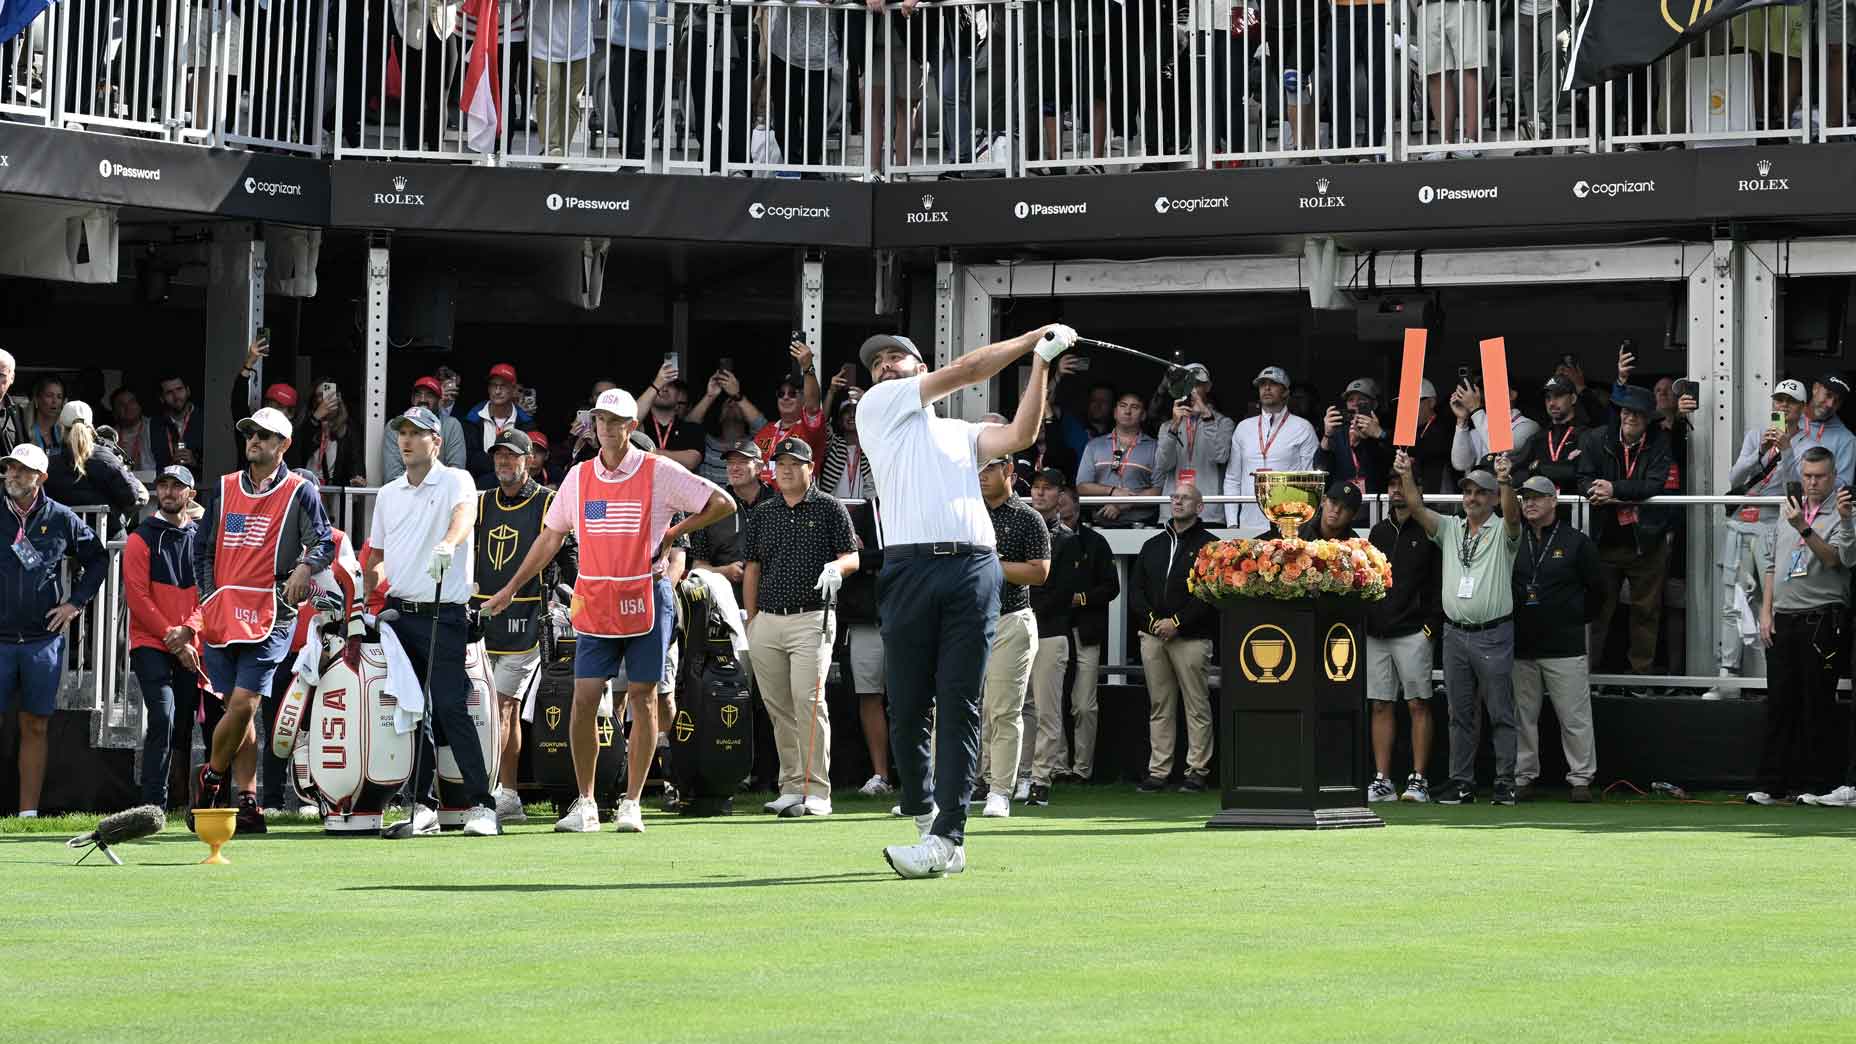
(410, 520)
(926, 467)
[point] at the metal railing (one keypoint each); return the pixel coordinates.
(1741, 83)
(793, 93)
(942, 76)
(1482, 77)
(1106, 84)
(25, 70)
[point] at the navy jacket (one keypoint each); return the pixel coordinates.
(26, 596)
(477, 459)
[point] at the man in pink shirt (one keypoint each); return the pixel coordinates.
(619, 506)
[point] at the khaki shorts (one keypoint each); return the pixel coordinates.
(1395, 663)
(866, 644)
(1453, 36)
(515, 673)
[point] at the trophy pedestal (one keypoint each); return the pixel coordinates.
(1292, 715)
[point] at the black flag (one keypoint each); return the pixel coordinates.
(1617, 37)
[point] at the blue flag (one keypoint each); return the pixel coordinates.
(16, 15)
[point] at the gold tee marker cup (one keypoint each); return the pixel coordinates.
(215, 826)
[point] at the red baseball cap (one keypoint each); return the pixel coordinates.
(538, 440)
(429, 384)
(503, 372)
(281, 394)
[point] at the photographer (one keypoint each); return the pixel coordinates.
(1354, 448)
(797, 406)
(1472, 425)
(1768, 460)
(736, 418)
(677, 436)
(1194, 445)
(330, 444)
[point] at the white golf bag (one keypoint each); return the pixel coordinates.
(336, 724)
(453, 799)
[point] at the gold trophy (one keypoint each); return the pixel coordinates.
(215, 826)
(1290, 498)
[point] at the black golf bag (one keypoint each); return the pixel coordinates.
(551, 757)
(712, 738)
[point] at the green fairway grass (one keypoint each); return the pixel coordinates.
(1107, 916)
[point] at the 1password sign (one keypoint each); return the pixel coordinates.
(1495, 400)
(1410, 386)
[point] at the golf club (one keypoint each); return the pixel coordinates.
(1180, 377)
(818, 692)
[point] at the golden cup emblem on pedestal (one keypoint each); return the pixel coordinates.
(1341, 653)
(215, 826)
(1270, 651)
(1290, 498)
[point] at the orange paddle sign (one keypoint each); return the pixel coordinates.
(1495, 395)
(1410, 386)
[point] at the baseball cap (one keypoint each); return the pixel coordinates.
(1637, 400)
(75, 411)
(745, 448)
(178, 473)
(1426, 390)
(274, 421)
(429, 384)
(1482, 479)
(283, 394)
(1345, 493)
(1007, 461)
(1557, 386)
(617, 402)
(1273, 374)
(537, 441)
(503, 372)
(1052, 477)
(1539, 486)
(798, 449)
(1792, 389)
(514, 440)
(1364, 386)
(417, 417)
(1835, 381)
(873, 345)
(27, 455)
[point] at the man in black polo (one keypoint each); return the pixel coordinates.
(1555, 454)
(798, 548)
(1340, 505)
(1558, 587)
(1399, 630)
(1024, 558)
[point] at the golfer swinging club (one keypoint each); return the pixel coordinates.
(938, 592)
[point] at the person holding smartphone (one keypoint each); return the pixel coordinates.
(797, 411)
(1801, 621)
(664, 405)
(1621, 465)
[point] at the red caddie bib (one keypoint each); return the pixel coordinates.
(614, 595)
(243, 605)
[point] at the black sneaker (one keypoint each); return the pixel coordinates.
(1039, 796)
(1151, 785)
(1192, 784)
(250, 816)
(209, 791)
(1456, 794)
(1504, 794)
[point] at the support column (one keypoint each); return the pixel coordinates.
(374, 375)
(234, 311)
(812, 314)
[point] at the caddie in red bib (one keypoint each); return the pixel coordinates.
(264, 535)
(618, 506)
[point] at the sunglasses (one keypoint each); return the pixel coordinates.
(788, 393)
(262, 436)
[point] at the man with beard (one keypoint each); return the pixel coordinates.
(13, 426)
(263, 535)
(941, 577)
(1555, 454)
(1621, 465)
(1399, 629)
(181, 431)
(1558, 587)
(666, 405)
(164, 626)
(508, 523)
(34, 611)
(1823, 427)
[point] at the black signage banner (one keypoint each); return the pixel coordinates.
(101, 168)
(1800, 181)
(579, 203)
(1643, 188)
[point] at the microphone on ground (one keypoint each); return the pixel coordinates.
(130, 824)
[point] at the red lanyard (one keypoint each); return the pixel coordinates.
(1265, 444)
(1426, 430)
(1815, 436)
(1811, 512)
(853, 478)
(1630, 462)
(1555, 449)
(1192, 436)
(663, 432)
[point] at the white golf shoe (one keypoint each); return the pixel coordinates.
(480, 821)
(782, 803)
(998, 806)
(582, 818)
(1842, 797)
(509, 806)
(629, 819)
(935, 856)
(422, 823)
(818, 805)
(1023, 789)
(875, 786)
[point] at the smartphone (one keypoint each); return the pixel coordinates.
(328, 391)
(1688, 386)
(1778, 419)
(1794, 492)
(580, 419)
(1462, 376)
(1082, 363)
(727, 364)
(1569, 359)
(264, 340)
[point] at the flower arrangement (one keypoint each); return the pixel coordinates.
(1289, 568)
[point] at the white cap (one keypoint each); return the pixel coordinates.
(1426, 390)
(268, 419)
(75, 411)
(1792, 389)
(617, 402)
(29, 456)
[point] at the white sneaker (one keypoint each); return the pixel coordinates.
(875, 786)
(1842, 797)
(998, 806)
(933, 857)
(582, 818)
(1760, 797)
(1380, 789)
(782, 803)
(818, 805)
(629, 819)
(424, 822)
(480, 821)
(509, 806)
(1022, 790)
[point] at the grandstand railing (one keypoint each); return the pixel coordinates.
(811, 89)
